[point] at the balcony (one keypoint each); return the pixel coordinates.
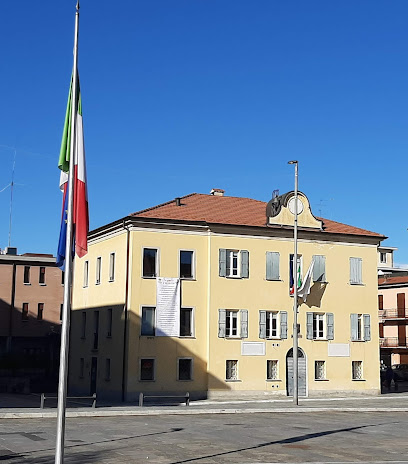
(393, 342)
(393, 314)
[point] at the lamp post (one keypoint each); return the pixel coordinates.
(295, 293)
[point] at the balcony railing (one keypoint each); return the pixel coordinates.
(393, 342)
(393, 313)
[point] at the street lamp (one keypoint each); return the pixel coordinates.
(295, 293)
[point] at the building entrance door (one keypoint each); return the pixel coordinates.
(301, 372)
(94, 370)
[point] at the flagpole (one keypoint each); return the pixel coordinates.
(295, 293)
(63, 370)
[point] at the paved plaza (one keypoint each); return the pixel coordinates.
(267, 437)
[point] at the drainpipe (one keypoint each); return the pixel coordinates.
(125, 310)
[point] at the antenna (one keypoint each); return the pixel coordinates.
(11, 195)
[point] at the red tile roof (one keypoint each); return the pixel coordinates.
(214, 209)
(393, 280)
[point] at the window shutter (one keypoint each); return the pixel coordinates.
(319, 268)
(330, 326)
(244, 323)
(221, 323)
(309, 326)
(367, 331)
(262, 324)
(223, 262)
(283, 324)
(354, 326)
(244, 264)
(355, 270)
(272, 265)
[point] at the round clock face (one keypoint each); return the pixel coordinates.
(291, 205)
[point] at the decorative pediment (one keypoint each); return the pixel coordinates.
(281, 210)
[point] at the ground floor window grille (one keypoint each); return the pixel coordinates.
(231, 370)
(320, 370)
(147, 369)
(357, 368)
(272, 369)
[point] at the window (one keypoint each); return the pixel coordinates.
(148, 321)
(232, 323)
(272, 369)
(147, 369)
(86, 273)
(320, 326)
(62, 277)
(233, 263)
(26, 274)
(320, 370)
(81, 368)
(107, 369)
(186, 264)
(41, 277)
(98, 270)
(83, 325)
(61, 310)
(357, 370)
(40, 311)
(24, 313)
(185, 369)
(299, 273)
(231, 370)
(272, 265)
(356, 271)
(109, 323)
(150, 262)
(383, 257)
(112, 267)
(96, 330)
(273, 324)
(360, 327)
(186, 322)
(319, 268)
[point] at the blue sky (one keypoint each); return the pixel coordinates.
(181, 96)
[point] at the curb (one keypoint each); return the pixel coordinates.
(160, 412)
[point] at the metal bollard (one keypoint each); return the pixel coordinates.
(141, 399)
(42, 401)
(94, 400)
(187, 399)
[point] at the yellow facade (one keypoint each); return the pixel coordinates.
(214, 357)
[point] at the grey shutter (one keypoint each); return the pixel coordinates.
(367, 330)
(330, 326)
(262, 324)
(283, 324)
(354, 326)
(244, 264)
(319, 268)
(355, 270)
(244, 323)
(223, 262)
(221, 323)
(309, 326)
(272, 265)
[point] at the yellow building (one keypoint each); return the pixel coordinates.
(194, 295)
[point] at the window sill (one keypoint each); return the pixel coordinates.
(42, 285)
(184, 380)
(149, 277)
(111, 280)
(320, 340)
(358, 284)
(148, 336)
(358, 380)
(27, 283)
(147, 380)
(97, 283)
(192, 337)
(273, 380)
(233, 380)
(273, 280)
(233, 277)
(188, 278)
(321, 380)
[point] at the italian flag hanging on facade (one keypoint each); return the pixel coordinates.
(80, 213)
(299, 276)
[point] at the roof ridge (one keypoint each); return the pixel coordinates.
(160, 205)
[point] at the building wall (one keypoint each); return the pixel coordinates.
(208, 293)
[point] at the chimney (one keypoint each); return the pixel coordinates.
(217, 192)
(178, 201)
(11, 251)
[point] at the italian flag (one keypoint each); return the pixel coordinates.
(80, 215)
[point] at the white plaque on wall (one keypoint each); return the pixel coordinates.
(253, 348)
(339, 349)
(167, 307)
